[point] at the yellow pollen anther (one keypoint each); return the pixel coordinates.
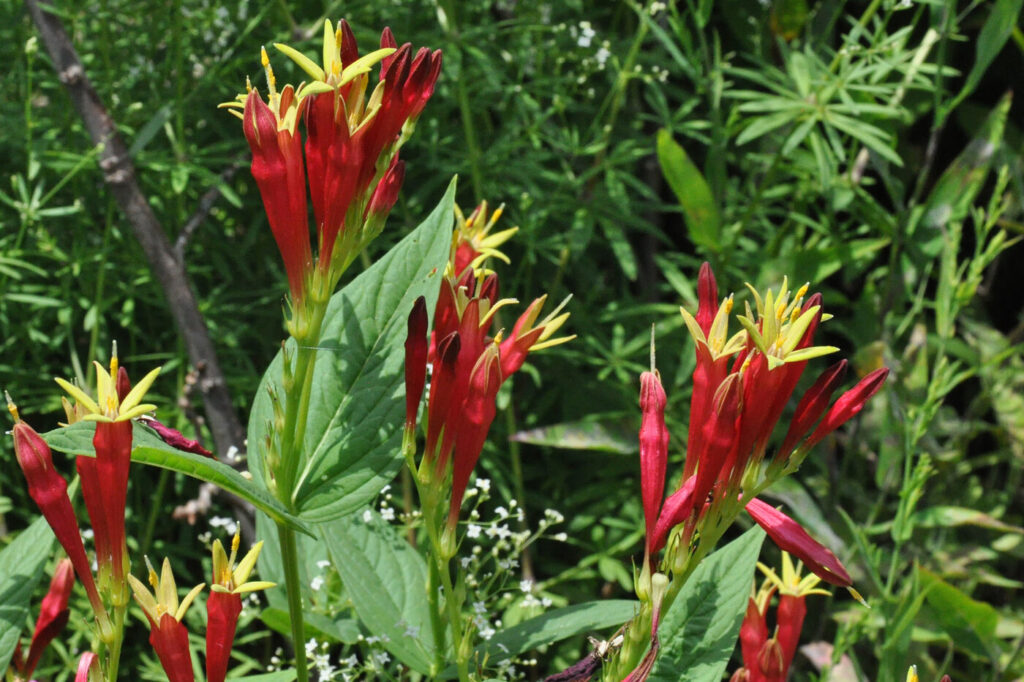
(235, 541)
(264, 58)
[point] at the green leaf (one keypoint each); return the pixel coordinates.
(147, 448)
(698, 634)
(353, 435)
(557, 625)
(615, 438)
(994, 34)
(970, 624)
(953, 195)
(702, 218)
(386, 579)
(21, 567)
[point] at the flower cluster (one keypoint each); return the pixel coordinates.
(741, 384)
(468, 364)
(768, 658)
(164, 612)
(104, 481)
(350, 156)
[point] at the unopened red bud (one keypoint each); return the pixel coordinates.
(415, 360)
(386, 193)
(653, 450)
(812, 405)
(707, 297)
(740, 675)
(849, 404)
(124, 384)
(771, 662)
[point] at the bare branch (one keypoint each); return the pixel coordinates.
(119, 175)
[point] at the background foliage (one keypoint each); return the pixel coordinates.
(872, 148)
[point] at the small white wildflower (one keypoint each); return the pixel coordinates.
(227, 523)
(526, 586)
(479, 607)
(316, 583)
(311, 647)
(484, 484)
(473, 531)
(387, 513)
(561, 537)
(502, 513)
(412, 631)
(367, 516)
(322, 564)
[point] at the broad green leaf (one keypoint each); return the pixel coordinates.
(702, 218)
(557, 625)
(386, 580)
(21, 567)
(316, 625)
(970, 624)
(582, 435)
(954, 192)
(354, 432)
(699, 631)
(147, 448)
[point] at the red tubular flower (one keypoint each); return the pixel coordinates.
(790, 618)
(415, 361)
(653, 450)
(278, 170)
(49, 491)
(753, 637)
(169, 639)
(53, 616)
(105, 478)
(167, 635)
(477, 413)
(225, 603)
(677, 508)
(791, 537)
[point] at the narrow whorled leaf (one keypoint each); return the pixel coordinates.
(703, 221)
(21, 567)
(353, 433)
(147, 448)
(954, 193)
(386, 580)
(699, 632)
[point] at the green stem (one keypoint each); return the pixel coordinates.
(114, 650)
(465, 110)
(154, 511)
(436, 618)
(290, 560)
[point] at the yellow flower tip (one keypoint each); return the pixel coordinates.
(856, 595)
(235, 541)
(11, 407)
(912, 674)
(179, 613)
(246, 565)
(264, 57)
